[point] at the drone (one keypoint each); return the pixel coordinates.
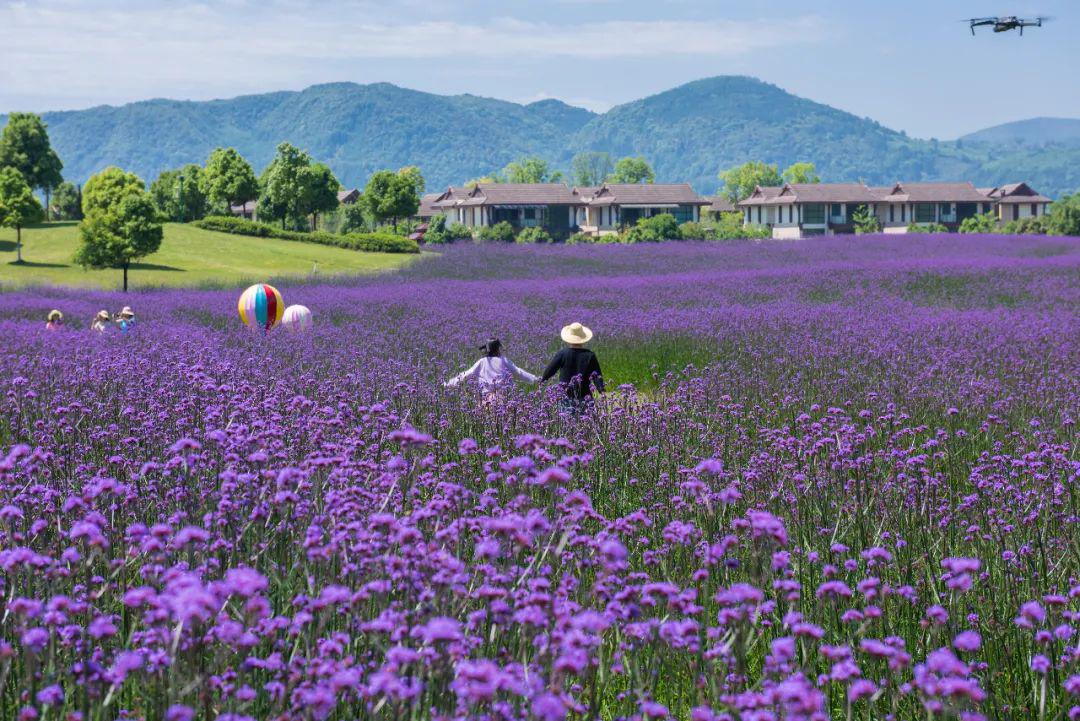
(1006, 23)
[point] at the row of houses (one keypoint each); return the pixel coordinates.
(791, 210)
(800, 210)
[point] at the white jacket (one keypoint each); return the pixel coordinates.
(491, 372)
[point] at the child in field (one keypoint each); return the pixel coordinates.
(125, 319)
(55, 320)
(578, 369)
(493, 371)
(101, 321)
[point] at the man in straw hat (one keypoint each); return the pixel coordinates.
(577, 366)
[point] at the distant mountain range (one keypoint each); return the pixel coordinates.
(688, 133)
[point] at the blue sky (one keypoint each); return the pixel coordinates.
(908, 64)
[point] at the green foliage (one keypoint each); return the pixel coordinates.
(180, 194)
(370, 242)
(415, 177)
(120, 227)
(1064, 218)
(322, 190)
(1031, 225)
(581, 239)
(590, 168)
(67, 202)
(106, 190)
(355, 217)
(656, 229)
(982, 224)
(691, 230)
(18, 206)
(230, 180)
(740, 181)
(501, 232)
(800, 174)
(25, 146)
(530, 170)
(390, 196)
(286, 185)
(865, 221)
(533, 235)
(728, 226)
(440, 232)
(632, 171)
(914, 227)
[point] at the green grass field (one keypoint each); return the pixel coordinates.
(189, 257)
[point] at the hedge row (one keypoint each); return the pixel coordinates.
(369, 242)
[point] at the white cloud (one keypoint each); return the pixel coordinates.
(120, 49)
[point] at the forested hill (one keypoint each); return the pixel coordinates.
(1034, 131)
(688, 133)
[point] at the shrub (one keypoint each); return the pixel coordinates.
(581, 239)
(865, 221)
(534, 235)
(914, 227)
(440, 232)
(985, 223)
(500, 232)
(1032, 225)
(653, 230)
(1064, 218)
(697, 231)
(370, 242)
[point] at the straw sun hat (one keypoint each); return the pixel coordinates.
(102, 315)
(55, 315)
(127, 312)
(576, 334)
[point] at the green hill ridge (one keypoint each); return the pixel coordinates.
(688, 133)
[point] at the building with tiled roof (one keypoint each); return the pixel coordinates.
(1017, 201)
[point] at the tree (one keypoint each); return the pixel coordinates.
(632, 171)
(391, 196)
(286, 185)
(322, 190)
(229, 179)
(18, 206)
(655, 229)
(590, 169)
(530, 170)
(739, 182)
(864, 219)
(121, 224)
(24, 145)
(107, 189)
(984, 223)
(67, 202)
(801, 173)
(1064, 218)
(415, 177)
(180, 194)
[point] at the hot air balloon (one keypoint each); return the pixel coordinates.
(297, 318)
(261, 306)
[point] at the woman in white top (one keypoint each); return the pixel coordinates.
(493, 371)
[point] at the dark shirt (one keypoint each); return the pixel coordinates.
(578, 371)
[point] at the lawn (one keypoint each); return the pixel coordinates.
(189, 257)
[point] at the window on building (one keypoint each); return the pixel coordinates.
(1016, 212)
(837, 210)
(945, 209)
(903, 213)
(683, 214)
(759, 215)
(924, 212)
(1034, 209)
(813, 214)
(892, 213)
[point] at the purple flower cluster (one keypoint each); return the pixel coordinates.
(836, 480)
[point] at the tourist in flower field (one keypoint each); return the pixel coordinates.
(577, 366)
(101, 321)
(493, 371)
(55, 320)
(125, 319)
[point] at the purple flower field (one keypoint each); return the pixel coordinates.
(832, 479)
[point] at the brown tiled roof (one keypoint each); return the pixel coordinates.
(762, 195)
(1018, 193)
(812, 193)
(1020, 199)
(522, 194)
(248, 207)
(935, 193)
(988, 192)
(616, 194)
(427, 205)
(587, 191)
(348, 196)
(719, 204)
(449, 197)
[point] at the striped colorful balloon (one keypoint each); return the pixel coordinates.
(296, 318)
(261, 306)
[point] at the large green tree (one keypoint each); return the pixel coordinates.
(180, 194)
(25, 146)
(18, 206)
(739, 182)
(390, 196)
(800, 174)
(1064, 218)
(322, 190)
(530, 170)
(67, 202)
(287, 186)
(230, 180)
(591, 169)
(633, 171)
(121, 223)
